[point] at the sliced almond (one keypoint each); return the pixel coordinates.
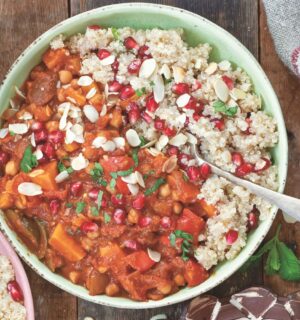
(170, 164)
(3, 133)
(98, 142)
(77, 129)
(159, 89)
(91, 93)
(119, 141)
(26, 116)
(162, 142)
(32, 140)
(154, 152)
(109, 146)
(211, 68)
(178, 74)
(103, 111)
(29, 189)
(63, 120)
(108, 61)
(132, 179)
(165, 71)
(91, 113)
(183, 100)
(149, 144)
(133, 188)
(147, 68)
(18, 128)
(20, 93)
(237, 94)
(179, 140)
(154, 255)
(38, 153)
(85, 81)
(133, 138)
(62, 176)
(80, 162)
(70, 136)
(140, 179)
(71, 100)
(182, 118)
(36, 173)
(221, 90)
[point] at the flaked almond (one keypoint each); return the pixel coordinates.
(74, 112)
(191, 138)
(70, 99)
(224, 65)
(178, 74)
(154, 255)
(133, 138)
(149, 144)
(20, 93)
(237, 94)
(77, 129)
(85, 81)
(183, 100)
(154, 152)
(18, 128)
(3, 133)
(25, 116)
(62, 176)
(140, 179)
(211, 68)
(70, 136)
(109, 146)
(179, 140)
(119, 141)
(63, 120)
(165, 71)
(32, 140)
(221, 90)
(147, 68)
(103, 111)
(132, 179)
(159, 89)
(112, 99)
(29, 189)
(36, 173)
(162, 142)
(170, 164)
(98, 142)
(91, 93)
(80, 162)
(182, 118)
(38, 154)
(91, 113)
(108, 61)
(133, 188)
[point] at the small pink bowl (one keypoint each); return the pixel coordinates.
(21, 277)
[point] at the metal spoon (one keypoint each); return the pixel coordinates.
(289, 205)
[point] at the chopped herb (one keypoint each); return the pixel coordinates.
(112, 183)
(135, 156)
(185, 177)
(115, 33)
(61, 167)
(114, 175)
(148, 174)
(119, 196)
(143, 141)
(186, 243)
(70, 170)
(97, 173)
(140, 92)
(11, 133)
(69, 205)
(29, 160)
(94, 212)
(70, 231)
(99, 199)
(124, 173)
(220, 106)
(102, 182)
(156, 185)
(80, 207)
(172, 238)
(167, 81)
(152, 83)
(107, 217)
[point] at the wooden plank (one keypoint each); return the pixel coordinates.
(21, 23)
(240, 17)
(287, 88)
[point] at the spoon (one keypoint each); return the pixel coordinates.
(289, 205)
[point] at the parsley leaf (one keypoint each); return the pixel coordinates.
(94, 212)
(29, 160)
(148, 174)
(140, 92)
(156, 185)
(220, 106)
(152, 83)
(143, 141)
(99, 199)
(11, 133)
(80, 207)
(112, 183)
(115, 33)
(96, 174)
(61, 167)
(119, 196)
(273, 261)
(135, 156)
(186, 244)
(172, 238)
(69, 204)
(124, 173)
(107, 217)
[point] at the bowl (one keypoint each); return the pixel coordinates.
(197, 29)
(8, 251)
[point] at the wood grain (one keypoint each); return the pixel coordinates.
(20, 23)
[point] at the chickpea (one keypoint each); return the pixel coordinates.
(11, 168)
(164, 190)
(179, 280)
(74, 276)
(65, 76)
(177, 207)
(112, 289)
(165, 289)
(133, 216)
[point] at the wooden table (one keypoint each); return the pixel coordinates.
(22, 21)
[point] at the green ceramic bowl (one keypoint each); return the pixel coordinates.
(197, 29)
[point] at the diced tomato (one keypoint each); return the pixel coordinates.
(140, 261)
(191, 223)
(122, 186)
(209, 209)
(194, 273)
(116, 163)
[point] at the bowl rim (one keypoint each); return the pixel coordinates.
(124, 302)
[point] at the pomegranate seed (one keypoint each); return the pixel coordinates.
(165, 222)
(197, 85)
(89, 227)
(15, 291)
(159, 124)
(103, 53)
(193, 173)
(229, 82)
(252, 220)
(134, 116)
(3, 158)
(56, 136)
(119, 216)
(54, 206)
(115, 66)
(180, 88)
(133, 106)
(94, 27)
(187, 121)
(219, 124)
(172, 151)
(169, 131)
(146, 117)
(237, 159)
(205, 170)
(192, 105)
(130, 43)
(117, 200)
(114, 86)
(48, 150)
(231, 236)
(40, 136)
(267, 165)
(183, 158)
(76, 188)
(134, 66)
(139, 202)
(144, 221)
(142, 52)
(37, 125)
(244, 169)
(131, 244)
(93, 194)
(126, 92)
(196, 116)
(151, 104)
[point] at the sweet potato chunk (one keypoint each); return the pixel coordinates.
(45, 176)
